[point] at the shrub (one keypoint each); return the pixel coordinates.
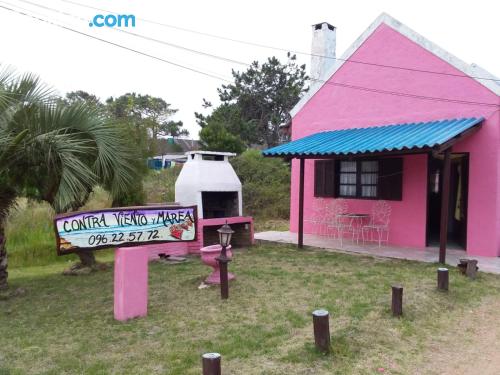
(135, 196)
(30, 230)
(159, 186)
(30, 235)
(266, 184)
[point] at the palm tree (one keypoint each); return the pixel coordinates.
(53, 151)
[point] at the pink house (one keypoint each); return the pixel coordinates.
(436, 161)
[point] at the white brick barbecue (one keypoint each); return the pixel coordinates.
(209, 181)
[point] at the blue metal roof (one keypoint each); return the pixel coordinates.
(397, 137)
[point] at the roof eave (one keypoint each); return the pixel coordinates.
(471, 70)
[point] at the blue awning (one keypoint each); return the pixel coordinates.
(377, 139)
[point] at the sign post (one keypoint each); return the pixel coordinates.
(128, 229)
(131, 282)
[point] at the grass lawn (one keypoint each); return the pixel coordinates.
(65, 325)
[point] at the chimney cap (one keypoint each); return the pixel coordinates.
(319, 26)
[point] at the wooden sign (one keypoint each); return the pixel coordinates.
(127, 226)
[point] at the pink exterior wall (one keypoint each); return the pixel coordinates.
(497, 122)
(334, 107)
(407, 215)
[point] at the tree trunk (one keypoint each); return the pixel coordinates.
(87, 259)
(3, 256)
(7, 198)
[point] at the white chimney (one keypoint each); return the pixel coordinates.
(322, 49)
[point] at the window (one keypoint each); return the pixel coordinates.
(358, 179)
(369, 179)
(361, 179)
(348, 179)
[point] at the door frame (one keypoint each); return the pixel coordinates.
(465, 181)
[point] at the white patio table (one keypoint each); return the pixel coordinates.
(356, 221)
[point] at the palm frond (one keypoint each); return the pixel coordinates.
(64, 150)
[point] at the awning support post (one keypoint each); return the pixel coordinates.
(301, 205)
(445, 204)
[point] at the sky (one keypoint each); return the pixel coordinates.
(69, 61)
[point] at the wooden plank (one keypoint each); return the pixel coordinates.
(445, 204)
(301, 205)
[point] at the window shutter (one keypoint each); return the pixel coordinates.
(329, 178)
(390, 181)
(324, 178)
(319, 178)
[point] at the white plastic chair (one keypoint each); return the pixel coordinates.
(379, 223)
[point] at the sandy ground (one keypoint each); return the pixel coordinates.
(475, 350)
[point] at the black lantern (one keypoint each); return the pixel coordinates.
(225, 233)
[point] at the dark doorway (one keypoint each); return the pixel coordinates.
(457, 215)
